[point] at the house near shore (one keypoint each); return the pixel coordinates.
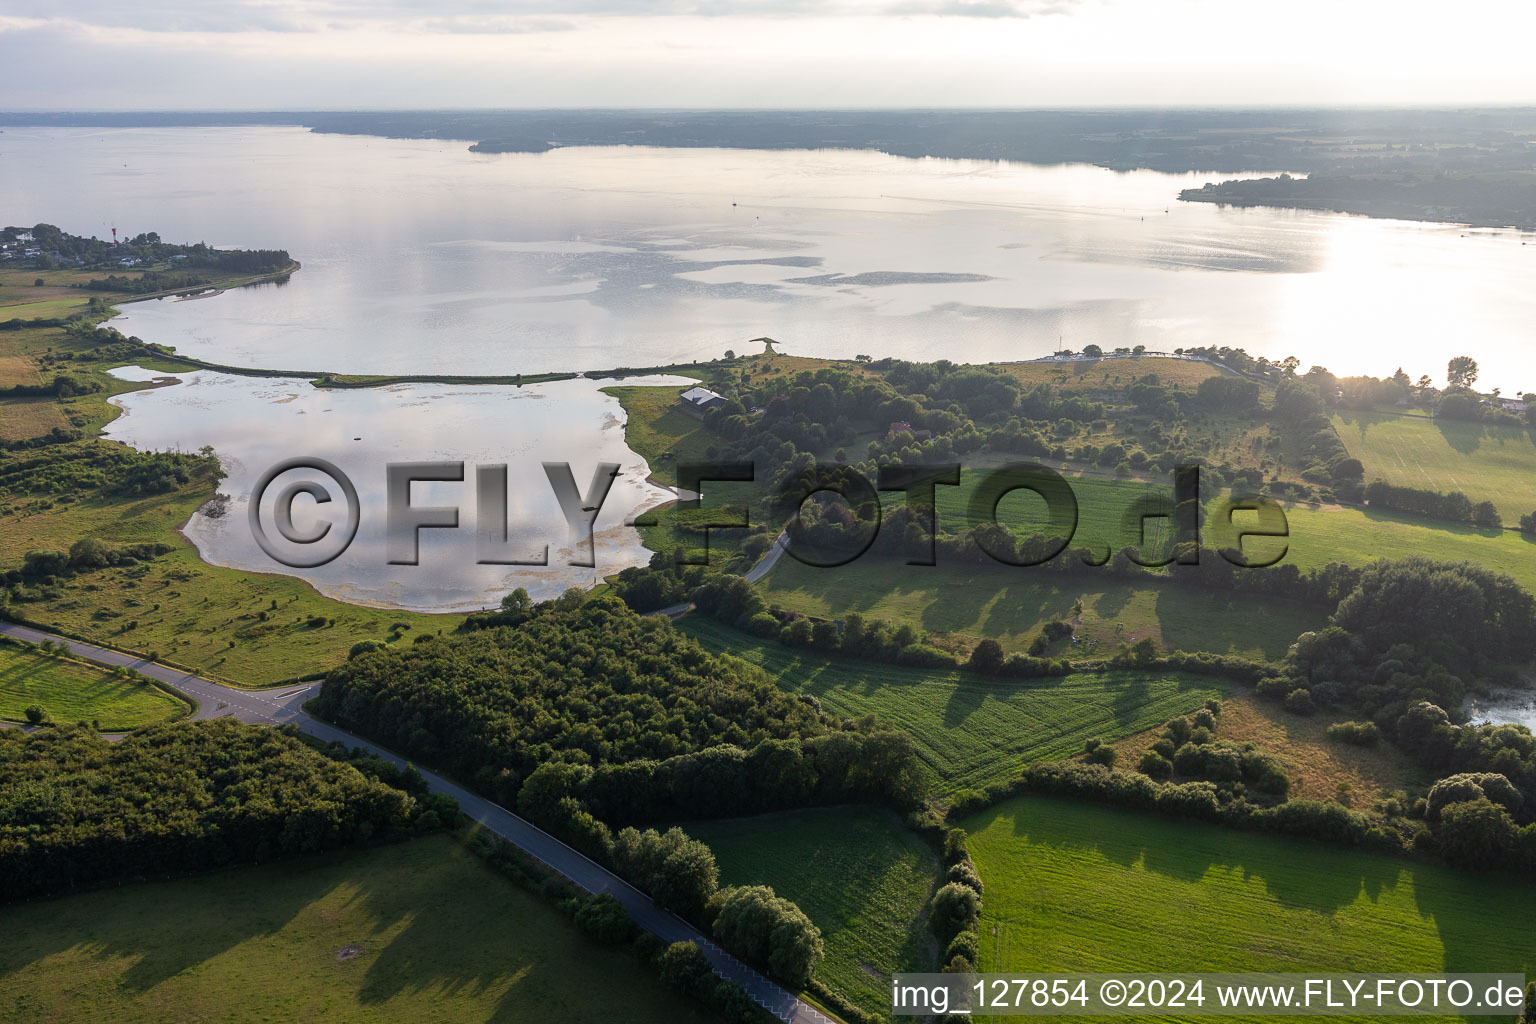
(697, 401)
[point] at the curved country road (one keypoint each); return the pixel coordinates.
(284, 706)
(757, 572)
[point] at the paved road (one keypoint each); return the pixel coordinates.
(284, 706)
(757, 572)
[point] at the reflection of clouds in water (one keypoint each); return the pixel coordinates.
(476, 425)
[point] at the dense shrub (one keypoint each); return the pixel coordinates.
(76, 809)
(1359, 734)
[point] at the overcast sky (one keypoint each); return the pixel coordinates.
(330, 54)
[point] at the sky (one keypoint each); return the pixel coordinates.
(393, 54)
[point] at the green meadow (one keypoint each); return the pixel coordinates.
(1484, 462)
(419, 931)
(863, 879)
(70, 691)
(1084, 888)
(972, 729)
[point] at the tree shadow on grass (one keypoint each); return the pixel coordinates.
(165, 928)
(1296, 874)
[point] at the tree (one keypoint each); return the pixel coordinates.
(987, 657)
(955, 907)
(1478, 834)
(1461, 372)
(677, 870)
(1093, 352)
(764, 928)
(35, 714)
(682, 966)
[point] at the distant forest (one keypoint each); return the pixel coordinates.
(1220, 141)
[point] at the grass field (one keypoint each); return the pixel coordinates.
(1114, 374)
(659, 431)
(71, 692)
(438, 938)
(862, 878)
(209, 618)
(1486, 463)
(963, 604)
(970, 729)
(1360, 536)
(1078, 887)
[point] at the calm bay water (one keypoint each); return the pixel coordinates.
(420, 256)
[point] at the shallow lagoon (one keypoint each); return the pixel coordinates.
(255, 422)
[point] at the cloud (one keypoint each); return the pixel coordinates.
(470, 17)
(982, 8)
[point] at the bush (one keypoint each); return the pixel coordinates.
(1104, 754)
(1299, 702)
(1154, 765)
(1358, 734)
(955, 847)
(964, 873)
(1472, 786)
(604, 918)
(35, 714)
(965, 944)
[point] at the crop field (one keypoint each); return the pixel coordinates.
(23, 418)
(971, 729)
(71, 692)
(1484, 462)
(1079, 887)
(420, 931)
(863, 879)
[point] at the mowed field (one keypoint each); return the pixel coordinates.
(863, 879)
(71, 692)
(1484, 462)
(1359, 536)
(963, 604)
(971, 729)
(1083, 888)
(420, 931)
